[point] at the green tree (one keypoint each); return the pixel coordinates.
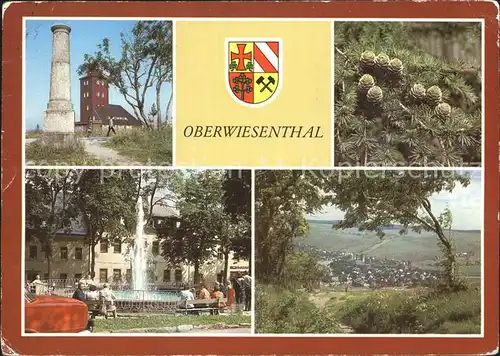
(237, 200)
(106, 201)
(374, 199)
(50, 206)
(160, 188)
(282, 198)
(395, 104)
(145, 62)
(197, 237)
(303, 271)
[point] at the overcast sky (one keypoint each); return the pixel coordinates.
(465, 205)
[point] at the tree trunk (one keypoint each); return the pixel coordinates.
(158, 107)
(450, 262)
(48, 265)
(250, 263)
(92, 259)
(226, 264)
(168, 106)
(196, 276)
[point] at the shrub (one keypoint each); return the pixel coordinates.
(413, 312)
(281, 311)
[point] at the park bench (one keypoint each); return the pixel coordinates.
(95, 308)
(214, 306)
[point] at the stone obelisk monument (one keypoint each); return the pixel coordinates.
(60, 117)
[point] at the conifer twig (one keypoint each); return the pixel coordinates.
(342, 54)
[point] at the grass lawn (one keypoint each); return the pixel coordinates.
(42, 154)
(159, 321)
(148, 147)
(34, 134)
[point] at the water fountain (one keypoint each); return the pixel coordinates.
(139, 292)
(139, 255)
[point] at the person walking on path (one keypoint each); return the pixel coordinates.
(111, 126)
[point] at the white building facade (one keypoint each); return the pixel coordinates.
(71, 261)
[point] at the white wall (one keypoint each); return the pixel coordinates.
(113, 260)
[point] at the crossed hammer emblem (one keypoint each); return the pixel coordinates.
(270, 80)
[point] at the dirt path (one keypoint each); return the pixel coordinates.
(320, 299)
(107, 156)
(94, 146)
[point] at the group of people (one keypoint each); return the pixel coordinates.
(242, 285)
(237, 291)
(37, 286)
(92, 293)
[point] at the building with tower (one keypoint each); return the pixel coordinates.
(95, 109)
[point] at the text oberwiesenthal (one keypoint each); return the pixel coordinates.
(254, 131)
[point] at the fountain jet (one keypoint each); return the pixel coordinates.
(139, 253)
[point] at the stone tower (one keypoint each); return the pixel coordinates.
(60, 116)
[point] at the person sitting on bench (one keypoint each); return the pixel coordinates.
(79, 294)
(92, 294)
(217, 294)
(107, 297)
(188, 294)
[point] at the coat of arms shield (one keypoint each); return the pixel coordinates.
(254, 70)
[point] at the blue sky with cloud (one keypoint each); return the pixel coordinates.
(465, 204)
(84, 38)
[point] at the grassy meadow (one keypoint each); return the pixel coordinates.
(144, 146)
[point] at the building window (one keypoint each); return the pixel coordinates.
(104, 246)
(117, 246)
(156, 247)
(45, 276)
(128, 276)
(117, 275)
(178, 275)
(78, 276)
(220, 255)
(63, 276)
(88, 108)
(64, 253)
(98, 94)
(33, 252)
(103, 275)
(166, 275)
(78, 253)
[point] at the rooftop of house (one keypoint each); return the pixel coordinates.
(77, 225)
(118, 113)
(94, 73)
(161, 211)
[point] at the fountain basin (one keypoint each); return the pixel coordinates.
(143, 295)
